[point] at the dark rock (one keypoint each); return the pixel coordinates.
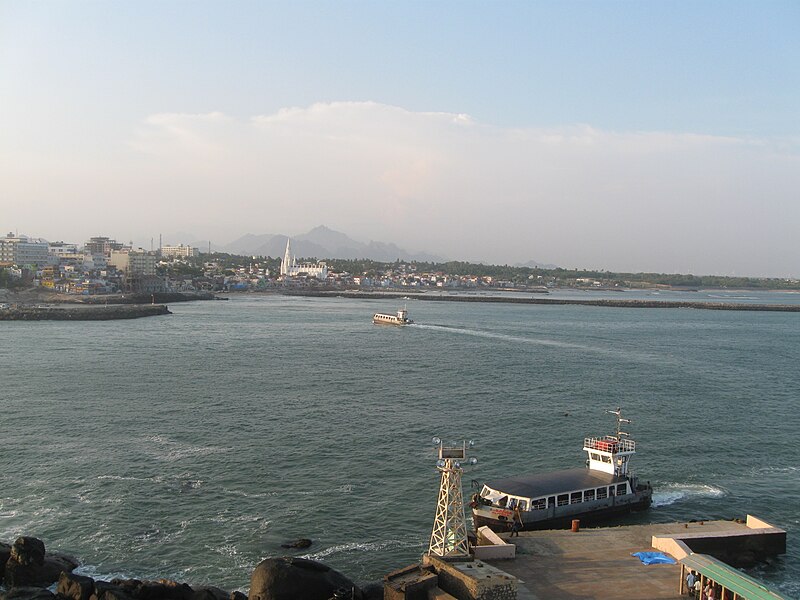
(5, 554)
(298, 543)
(372, 591)
(35, 574)
(75, 587)
(27, 593)
(163, 589)
(289, 578)
(105, 589)
(28, 551)
(238, 596)
(210, 593)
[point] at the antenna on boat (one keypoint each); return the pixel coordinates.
(449, 535)
(620, 422)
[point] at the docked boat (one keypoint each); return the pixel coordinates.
(401, 318)
(605, 488)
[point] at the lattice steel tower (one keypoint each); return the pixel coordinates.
(449, 535)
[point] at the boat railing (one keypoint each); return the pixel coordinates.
(609, 444)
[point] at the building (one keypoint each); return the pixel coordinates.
(23, 251)
(179, 251)
(139, 270)
(102, 246)
(291, 268)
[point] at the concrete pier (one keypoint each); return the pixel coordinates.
(597, 563)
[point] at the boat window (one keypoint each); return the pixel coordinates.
(588, 495)
(539, 504)
(611, 490)
(601, 493)
(551, 502)
(576, 497)
(523, 505)
(622, 489)
(595, 456)
(606, 459)
(563, 499)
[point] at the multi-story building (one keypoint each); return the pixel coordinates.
(23, 251)
(179, 251)
(139, 270)
(102, 246)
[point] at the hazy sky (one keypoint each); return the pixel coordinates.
(631, 136)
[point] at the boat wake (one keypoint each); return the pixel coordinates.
(638, 356)
(677, 492)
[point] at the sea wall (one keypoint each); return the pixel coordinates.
(82, 312)
(607, 302)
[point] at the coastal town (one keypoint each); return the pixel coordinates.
(102, 265)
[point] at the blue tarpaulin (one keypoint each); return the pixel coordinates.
(654, 558)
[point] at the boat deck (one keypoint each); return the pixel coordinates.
(597, 563)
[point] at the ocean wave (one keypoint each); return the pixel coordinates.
(676, 492)
(171, 450)
(352, 547)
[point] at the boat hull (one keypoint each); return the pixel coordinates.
(591, 513)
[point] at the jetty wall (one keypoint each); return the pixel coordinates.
(82, 312)
(607, 302)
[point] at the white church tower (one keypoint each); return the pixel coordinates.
(287, 263)
(290, 267)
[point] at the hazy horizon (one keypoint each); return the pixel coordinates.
(655, 137)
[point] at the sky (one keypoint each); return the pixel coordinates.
(626, 136)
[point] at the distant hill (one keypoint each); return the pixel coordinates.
(323, 242)
(536, 265)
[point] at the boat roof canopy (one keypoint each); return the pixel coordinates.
(557, 482)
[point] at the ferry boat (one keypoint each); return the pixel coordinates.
(605, 488)
(401, 318)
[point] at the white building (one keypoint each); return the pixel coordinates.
(23, 251)
(291, 268)
(179, 251)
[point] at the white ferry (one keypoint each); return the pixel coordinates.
(401, 318)
(605, 488)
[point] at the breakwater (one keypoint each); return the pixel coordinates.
(607, 302)
(82, 312)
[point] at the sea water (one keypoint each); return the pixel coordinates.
(191, 446)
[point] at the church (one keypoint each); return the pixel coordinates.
(290, 267)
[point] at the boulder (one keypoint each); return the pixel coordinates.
(299, 543)
(288, 578)
(5, 554)
(28, 551)
(27, 593)
(237, 595)
(75, 587)
(372, 591)
(105, 590)
(210, 593)
(24, 567)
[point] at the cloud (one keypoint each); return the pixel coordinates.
(446, 183)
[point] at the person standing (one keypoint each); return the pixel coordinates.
(690, 579)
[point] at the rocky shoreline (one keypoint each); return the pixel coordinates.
(29, 572)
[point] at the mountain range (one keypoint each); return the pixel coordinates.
(322, 242)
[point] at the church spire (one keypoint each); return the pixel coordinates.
(287, 260)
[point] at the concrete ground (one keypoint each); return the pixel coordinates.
(597, 563)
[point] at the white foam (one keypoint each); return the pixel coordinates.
(676, 492)
(353, 547)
